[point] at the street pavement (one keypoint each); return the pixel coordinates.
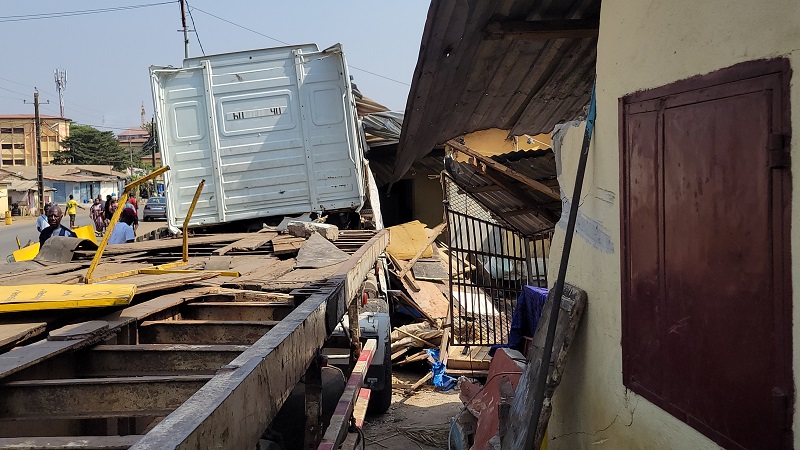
(24, 228)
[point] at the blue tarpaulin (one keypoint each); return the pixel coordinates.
(441, 380)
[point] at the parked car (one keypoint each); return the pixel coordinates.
(156, 208)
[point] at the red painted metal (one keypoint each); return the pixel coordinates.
(340, 421)
(706, 264)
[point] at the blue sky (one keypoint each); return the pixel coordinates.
(107, 55)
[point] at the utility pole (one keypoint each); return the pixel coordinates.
(61, 85)
(185, 30)
(155, 142)
(39, 175)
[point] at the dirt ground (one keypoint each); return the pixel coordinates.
(421, 421)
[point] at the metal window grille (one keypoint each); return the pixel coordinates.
(489, 265)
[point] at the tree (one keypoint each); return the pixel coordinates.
(88, 145)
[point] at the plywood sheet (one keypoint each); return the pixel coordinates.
(406, 240)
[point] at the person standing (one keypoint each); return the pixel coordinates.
(96, 213)
(72, 210)
(54, 216)
(41, 221)
(106, 212)
(123, 232)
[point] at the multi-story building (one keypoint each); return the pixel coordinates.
(133, 140)
(18, 138)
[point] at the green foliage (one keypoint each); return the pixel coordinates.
(88, 145)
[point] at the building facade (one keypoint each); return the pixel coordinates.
(18, 139)
(685, 232)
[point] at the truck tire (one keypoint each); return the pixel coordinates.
(381, 400)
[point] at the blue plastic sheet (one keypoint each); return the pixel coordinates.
(441, 380)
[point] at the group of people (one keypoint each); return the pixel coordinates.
(49, 223)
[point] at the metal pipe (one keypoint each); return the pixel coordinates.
(185, 233)
(540, 382)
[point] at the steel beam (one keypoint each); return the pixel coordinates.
(222, 332)
(69, 442)
(236, 406)
(87, 398)
(236, 310)
(156, 359)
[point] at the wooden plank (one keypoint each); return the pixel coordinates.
(155, 359)
(261, 277)
(225, 332)
(234, 408)
(431, 271)
(97, 397)
(504, 169)
(572, 305)
(249, 243)
(13, 333)
(299, 278)
(286, 244)
(154, 283)
(236, 310)
(475, 357)
(69, 442)
(436, 232)
(23, 357)
(78, 331)
(164, 244)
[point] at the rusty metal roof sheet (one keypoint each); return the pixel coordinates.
(465, 82)
(521, 207)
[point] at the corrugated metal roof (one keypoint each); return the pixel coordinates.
(465, 82)
(521, 207)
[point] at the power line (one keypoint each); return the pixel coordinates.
(84, 12)
(286, 43)
(196, 34)
(242, 27)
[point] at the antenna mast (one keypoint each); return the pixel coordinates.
(61, 85)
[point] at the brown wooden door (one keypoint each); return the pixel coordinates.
(707, 317)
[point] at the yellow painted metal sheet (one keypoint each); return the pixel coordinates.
(36, 297)
(30, 252)
(406, 239)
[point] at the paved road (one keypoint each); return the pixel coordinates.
(25, 229)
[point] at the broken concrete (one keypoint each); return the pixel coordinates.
(306, 229)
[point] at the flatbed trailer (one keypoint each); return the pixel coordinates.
(203, 358)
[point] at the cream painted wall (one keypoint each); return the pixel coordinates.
(646, 44)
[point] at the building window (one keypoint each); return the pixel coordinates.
(6, 146)
(19, 146)
(706, 269)
(19, 162)
(18, 130)
(8, 162)
(5, 130)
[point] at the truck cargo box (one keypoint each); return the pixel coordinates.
(273, 132)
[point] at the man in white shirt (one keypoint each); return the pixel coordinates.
(42, 222)
(123, 231)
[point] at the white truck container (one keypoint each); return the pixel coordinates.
(273, 132)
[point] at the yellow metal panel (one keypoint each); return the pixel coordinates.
(58, 296)
(26, 253)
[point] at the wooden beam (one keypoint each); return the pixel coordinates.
(225, 332)
(436, 232)
(489, 162)
(70, 442)
(543, 29)
(234, 408)
(97, 397)
(156, 359)
(236, 310)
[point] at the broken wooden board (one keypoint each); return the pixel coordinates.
(473, 357)
(299, 278)
(572, 305)
(163, 244)
(286, 244)
(78, 331)
(428, 297)
(249, 243)
(260, 278)
(152, 283)
(431, 270)
(13, 333)
(318, 252)
(39, 297)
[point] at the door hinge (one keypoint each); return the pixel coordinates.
(776, 146)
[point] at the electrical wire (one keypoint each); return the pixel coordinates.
(196, 34)
(84, 12)
(286, 43)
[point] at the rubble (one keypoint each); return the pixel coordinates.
(306, 229)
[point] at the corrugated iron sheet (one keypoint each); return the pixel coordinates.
(464, 82)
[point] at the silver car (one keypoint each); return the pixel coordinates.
(155, 208)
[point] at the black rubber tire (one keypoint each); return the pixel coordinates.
(380, 401)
